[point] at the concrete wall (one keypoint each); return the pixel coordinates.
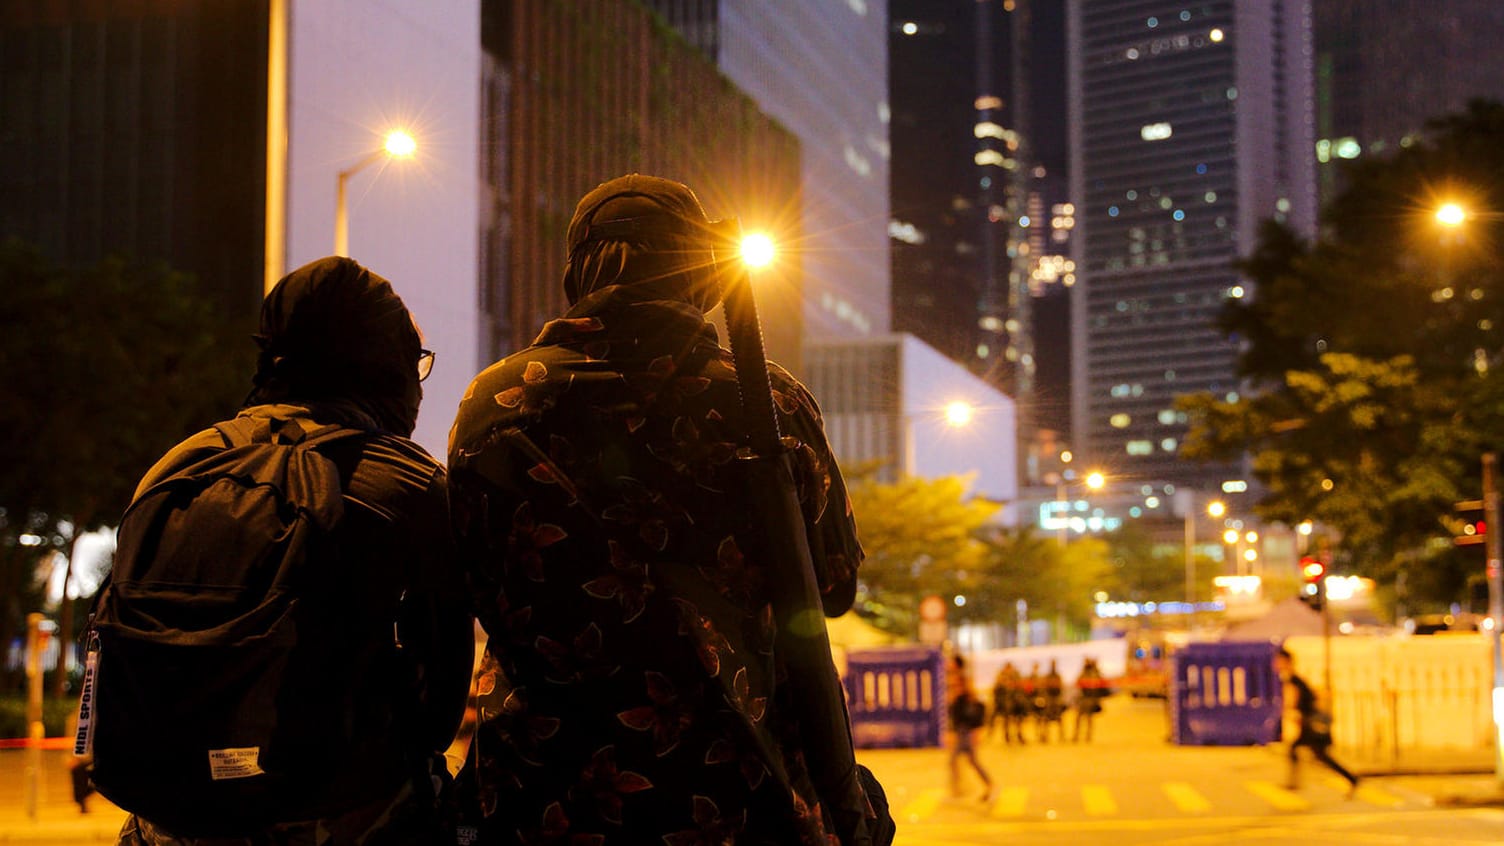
(356, 69)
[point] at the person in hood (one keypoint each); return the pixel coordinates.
(636, 696)
(339, 347)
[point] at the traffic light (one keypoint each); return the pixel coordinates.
(1313, 582)
(1470, 529)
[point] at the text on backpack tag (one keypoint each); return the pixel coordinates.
(234, 763)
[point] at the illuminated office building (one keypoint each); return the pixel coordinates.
(1190, 124)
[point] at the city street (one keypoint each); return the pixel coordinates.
(1131, 787)
(1128, 787)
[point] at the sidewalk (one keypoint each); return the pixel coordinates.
(58, 820)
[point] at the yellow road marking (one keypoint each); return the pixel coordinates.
(1186, 797)
(923, 805)
(1010, 802)
(1279, 797)
(1098, 800)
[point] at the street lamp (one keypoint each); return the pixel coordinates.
(1451, 214)
(1094, 481)
(398, 145)
(1214, 509)
(956, 414)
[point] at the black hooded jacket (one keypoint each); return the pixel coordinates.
(339, 347)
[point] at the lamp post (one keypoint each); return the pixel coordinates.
(1094, 481)
(957, 414)
(398, 145)
(1214, 509)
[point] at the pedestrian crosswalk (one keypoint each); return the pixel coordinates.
(1100, 801)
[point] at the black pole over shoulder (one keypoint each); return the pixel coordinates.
(802, 640)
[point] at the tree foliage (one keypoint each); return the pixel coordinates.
(920, 537)
(106, 367)
(1374, 355)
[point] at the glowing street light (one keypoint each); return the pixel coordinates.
(758, 249)
(1095, 480)
(1216, 509)
(1451, 214)
(398, 145)
(958, 413)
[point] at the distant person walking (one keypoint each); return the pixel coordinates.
(1091, 689)
(1312, 727)
(967, 716)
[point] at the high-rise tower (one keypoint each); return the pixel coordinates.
(1191, 123)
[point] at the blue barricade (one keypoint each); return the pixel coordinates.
(1225, 694)
(896, 696)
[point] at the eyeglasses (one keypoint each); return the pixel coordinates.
(425, 364)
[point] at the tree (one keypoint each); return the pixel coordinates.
(1374, 356)
(920, 537)
(1057, 583)
(106, 368)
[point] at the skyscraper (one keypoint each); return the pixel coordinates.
(820, 71)
(1190, 124)
(1375, 92)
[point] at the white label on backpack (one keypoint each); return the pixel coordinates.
(234, 763)
(83, 740)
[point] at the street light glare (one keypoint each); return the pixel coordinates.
(958, 413)
(757, 249)
(1216, 508)
(1095, 480)
(1451, 214)
(399, 143)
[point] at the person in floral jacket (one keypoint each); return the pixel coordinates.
(631, 690)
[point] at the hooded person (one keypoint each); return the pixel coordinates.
(636, 696)
(339, 350)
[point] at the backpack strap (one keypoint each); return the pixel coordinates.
(244, 431)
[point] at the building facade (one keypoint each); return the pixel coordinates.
(887, 399)
(1191, 124)
(1375, 92)
(209, 136)
(575, 94)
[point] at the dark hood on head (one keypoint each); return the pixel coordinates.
(646, 232)
(334, 331)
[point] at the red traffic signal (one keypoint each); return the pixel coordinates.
(1313, 592)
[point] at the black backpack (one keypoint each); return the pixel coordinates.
(202, 716)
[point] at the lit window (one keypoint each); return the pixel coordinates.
(989, 157)
(1132, 53)
(1282, 204)
(1236, 292)
(1167, 416)
(988, 101)
(1120, 421)
(910, 28)
(1156, 131)
(983, 351)
(988, 129)
(1178, 215)
(1112, 211)
(1168, 444)
(1348, 148)
(1216, 35)
(1210, 196)
(1139, 447)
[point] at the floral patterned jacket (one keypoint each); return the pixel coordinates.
(632, 691)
